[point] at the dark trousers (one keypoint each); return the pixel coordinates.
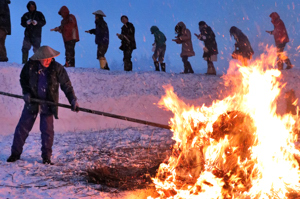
(101, 50)
(28, 42)
(70, 53)
(3, 55)
(187, 65)
(24, 127)
(281, 57)
(127, 59)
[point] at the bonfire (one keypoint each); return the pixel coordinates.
(239, 147)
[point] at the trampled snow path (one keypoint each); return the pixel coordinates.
(73, 154)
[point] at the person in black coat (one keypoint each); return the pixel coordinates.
(101, 39)
(211, 49)
(128, 42)
(40, 78)
(5, 28)
(32, 21)
(243, 50)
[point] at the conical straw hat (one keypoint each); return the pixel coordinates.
(99, 12)
(44, 52)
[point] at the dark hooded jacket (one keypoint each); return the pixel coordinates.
(279, 32)
(209, 39)
(33, 31)
(57, 76)
(242, 45)
(159, 37)
(184, 38)
(68, 27)
(101, 32)
(5, 16)
(128, 31)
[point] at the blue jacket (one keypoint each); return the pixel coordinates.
(101, 32)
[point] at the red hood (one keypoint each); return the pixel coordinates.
(64, 11)
(275, 17)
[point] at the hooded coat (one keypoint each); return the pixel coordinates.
(159, 37)
(33, 31)
(5, 16)
(68, 27)
(128, 31)
(242, 45)
(209, 39)
(279, 32)
(101, 32)
(57, 77)
(184, 38)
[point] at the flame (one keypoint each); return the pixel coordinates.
(236, 148)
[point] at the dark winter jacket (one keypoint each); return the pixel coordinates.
(33, 31)
(184, 38)
(68, 27)
(128, 32)
(5, 16)
(279, 32)
(101, 32)
(159, 37)
(57, 76)
(242, 45)
(209, 38)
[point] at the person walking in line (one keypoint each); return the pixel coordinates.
(5, 28)
(32, 21)
(70, 34)
(242, 47)
(40, 78)
(160, 48)
(210, 53)
(281, 39)
(101, 39)
(184, 37)
(128, 43)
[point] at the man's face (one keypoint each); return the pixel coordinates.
(46, 62)
(31, 8)
(124, 20)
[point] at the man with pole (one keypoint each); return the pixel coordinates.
(40, 78)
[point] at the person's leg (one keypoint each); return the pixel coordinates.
(154, 57)
(280, 56)
(185, 63)
(3, 55)
(210, 68)
(161, 58)
(36, 43)
(127, 59)
(25, 49)
(47, 130)
(70, 53)
(101, 50)
(22, 131)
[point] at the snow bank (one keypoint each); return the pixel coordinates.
(131, 94)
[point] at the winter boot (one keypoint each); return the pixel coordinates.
(13, 158)
(103, 63)
(24, 57)
(156, 64)
(127, 65)
(163, 67)
(280, 65)
(47, 161)
(288, 63)
(210, 68)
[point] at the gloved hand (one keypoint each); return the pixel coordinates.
(29, 21)
(26, 98)
(34, 22)
(75, 105)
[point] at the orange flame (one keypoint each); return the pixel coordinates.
(236, 148)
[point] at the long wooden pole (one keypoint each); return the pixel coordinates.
(91, 111)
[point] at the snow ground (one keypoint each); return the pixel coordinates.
(83, 140)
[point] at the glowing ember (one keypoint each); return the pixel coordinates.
(236, 148)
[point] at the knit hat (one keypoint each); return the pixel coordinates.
(44, 52)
